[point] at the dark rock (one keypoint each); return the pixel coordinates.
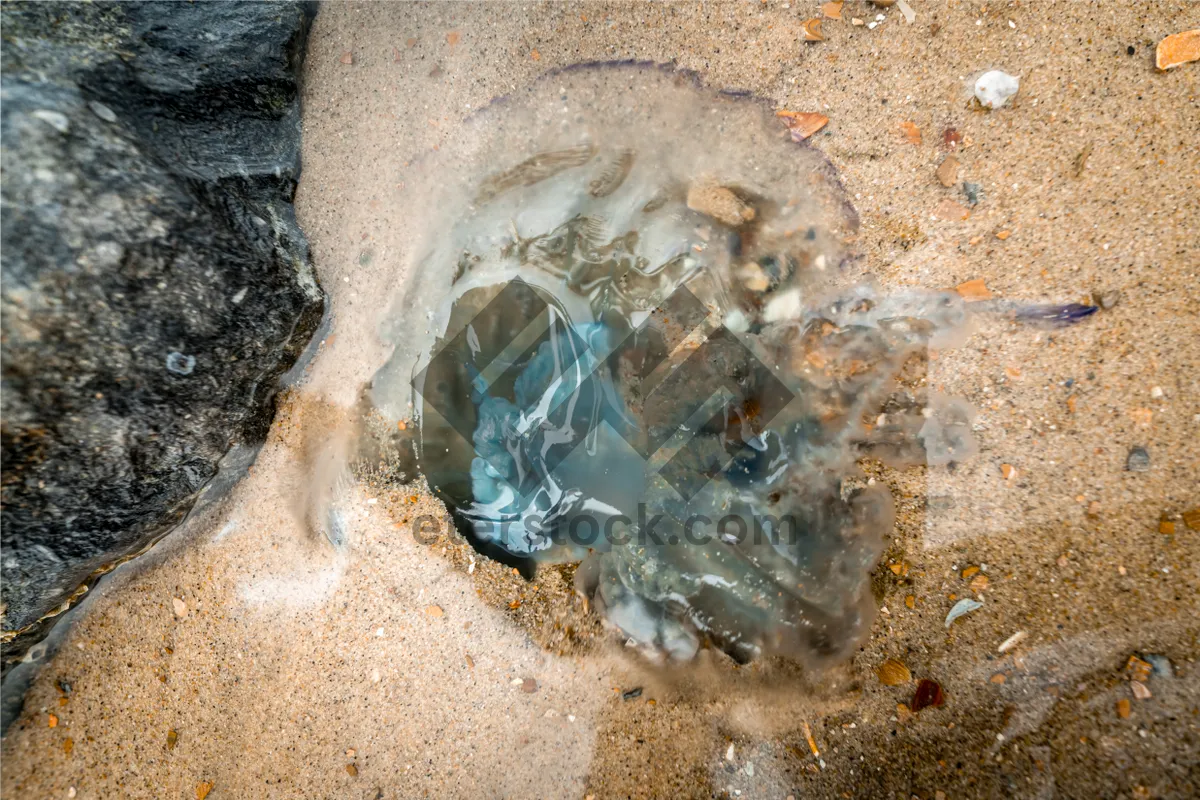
(155, 283)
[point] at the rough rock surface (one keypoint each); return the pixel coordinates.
(155, 283)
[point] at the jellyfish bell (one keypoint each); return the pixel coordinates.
(630, 338)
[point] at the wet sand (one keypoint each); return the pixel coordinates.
(399, 669)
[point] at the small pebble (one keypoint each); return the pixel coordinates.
(1161, 665)
(632, 694)
(1138, 460)
(529, 686)
(180, 364)
(973, 192)
(947, 171)
(950, 210)
(994, 88)
(54, 119)
(719, 203)
(180, 607)
(102, 111)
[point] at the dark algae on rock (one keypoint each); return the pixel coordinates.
(155, 283)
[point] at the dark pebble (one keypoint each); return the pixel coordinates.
(632, 694)
(1138, 460)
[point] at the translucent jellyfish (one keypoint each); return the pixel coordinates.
(643, 355)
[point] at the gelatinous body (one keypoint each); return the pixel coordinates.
(641, 356)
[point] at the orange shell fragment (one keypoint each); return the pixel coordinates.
(803, 124)
(1177, 49)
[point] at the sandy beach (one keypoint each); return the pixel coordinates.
(244, 657)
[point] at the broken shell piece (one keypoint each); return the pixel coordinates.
(929, 694)
(964, 606)
(950, 210)
(812, 30)
(1138, 670)
(1178, 48)
(973, 290)
(1140, 690)
(993, 88)
(1011, 642)
(893, 673)
(832, 10)
(802, 124)
(719, 203)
